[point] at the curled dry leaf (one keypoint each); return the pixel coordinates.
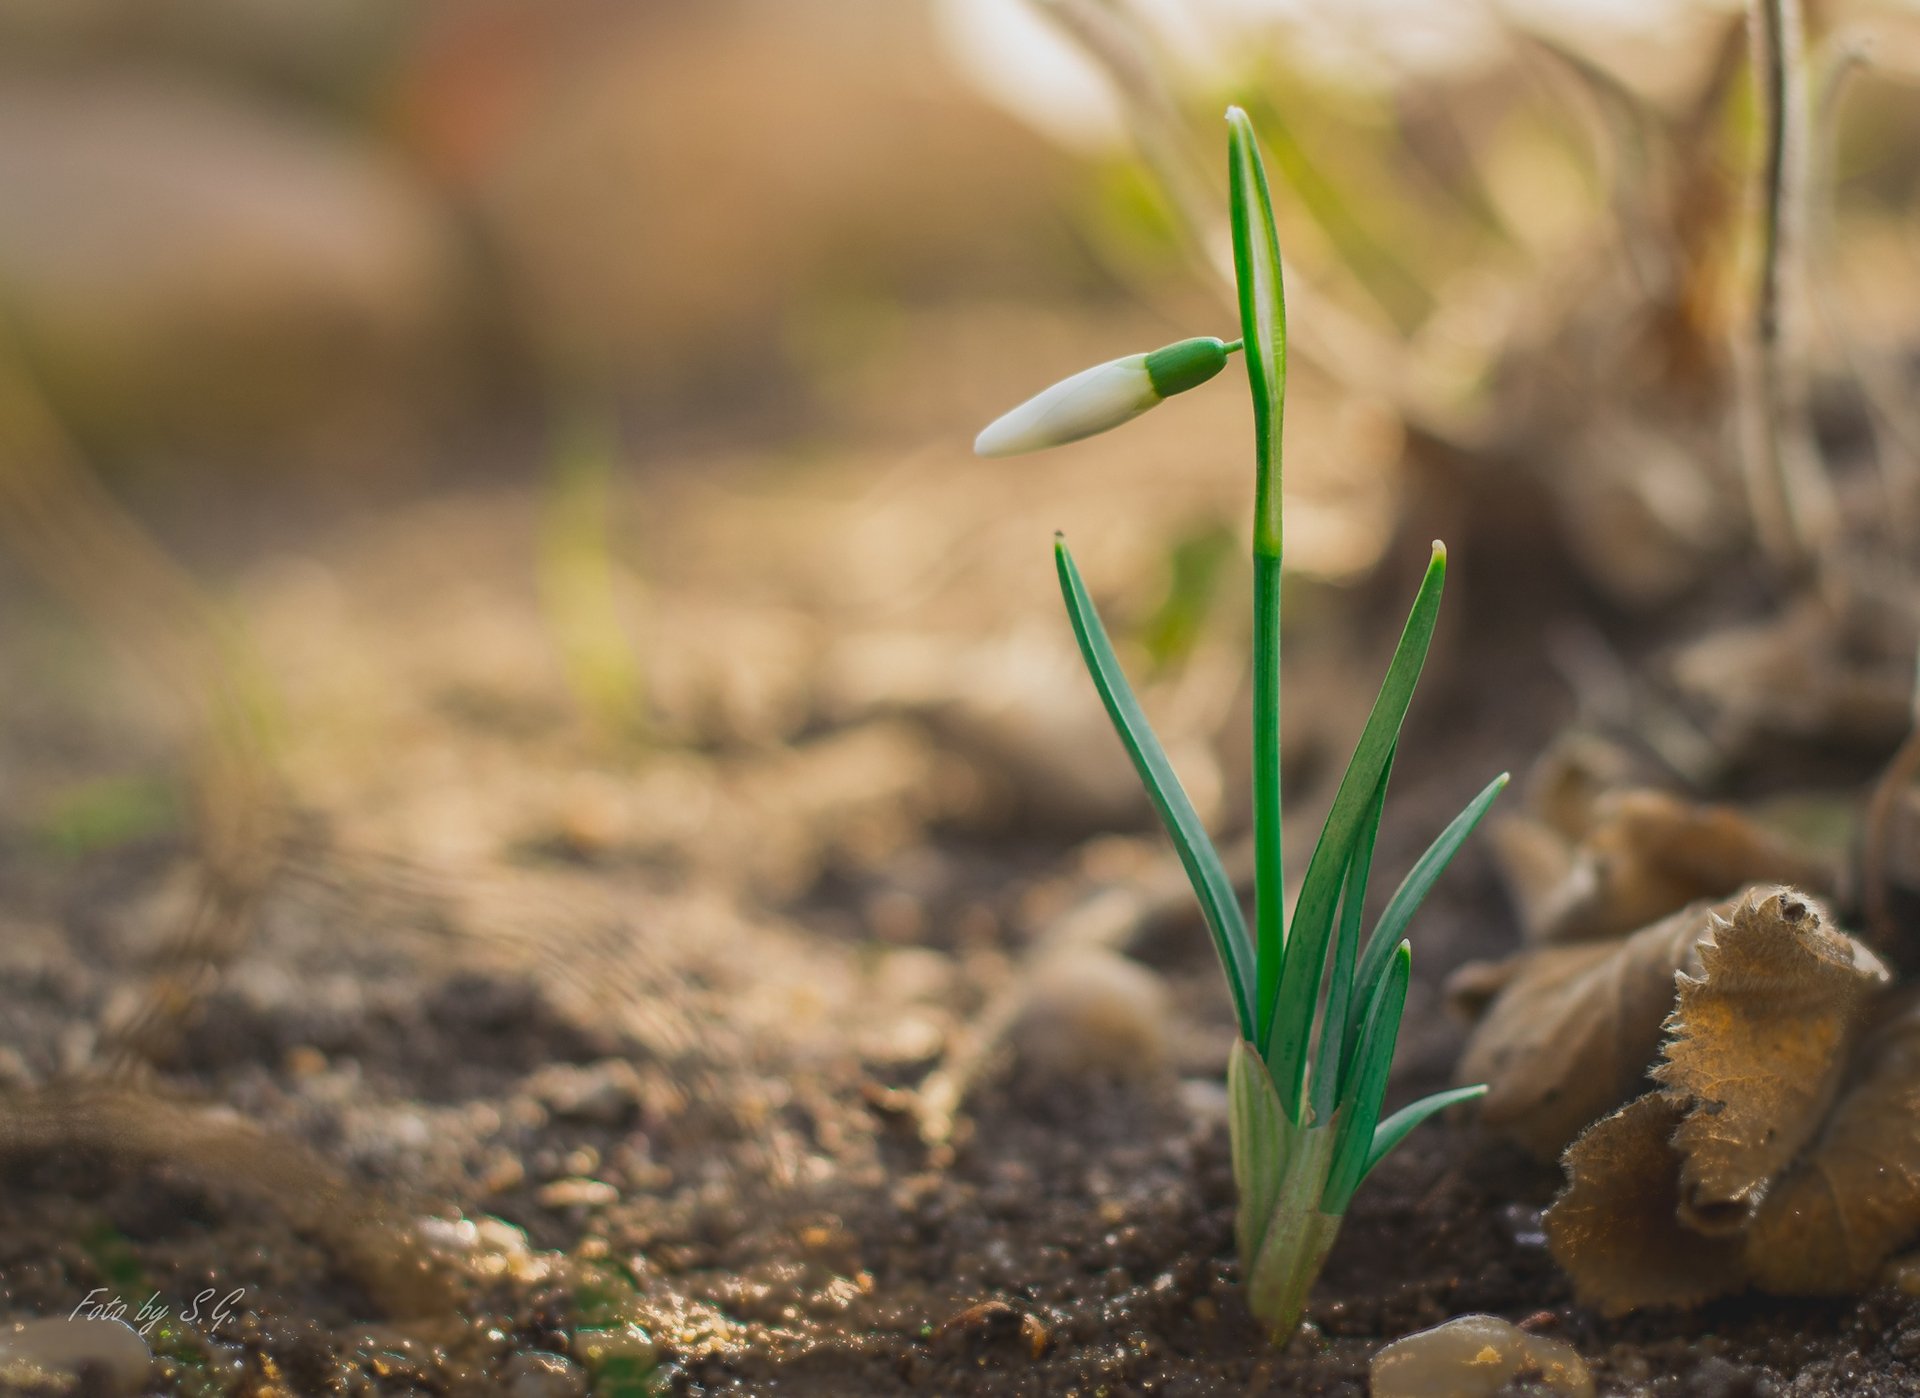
(1613, 1228)
(1756, 1048)
(1642, 855)
(1833, 1219)
(1575, 1029)
(1672, 1200)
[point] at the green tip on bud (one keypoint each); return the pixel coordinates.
(1186, 364)
(1101, 398)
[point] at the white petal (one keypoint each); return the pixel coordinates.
(1091, 401)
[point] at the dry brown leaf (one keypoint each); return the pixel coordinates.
(1756, 1048)
(1811, 677)
(1644, 855)
(1832, 1220)
(1576, 1029)
(1673, 1199)
(1613, 1229)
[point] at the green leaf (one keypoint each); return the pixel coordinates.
(1395, 1129)
(1413, 891)
(1262, 1142)
(1360, 1105)
(1263, 334)
(1263, 316)
(1204, 870)
(1313, 913)
(1330, 1054)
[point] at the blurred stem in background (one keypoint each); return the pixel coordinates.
(1787, 490)
(74, 536)
(1349, 346)
(579, 580)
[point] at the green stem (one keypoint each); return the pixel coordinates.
(1269, 883)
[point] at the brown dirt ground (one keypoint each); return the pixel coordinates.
(653, 1004)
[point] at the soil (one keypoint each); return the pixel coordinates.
(549, 1041)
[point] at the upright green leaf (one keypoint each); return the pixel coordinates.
(1329, 1060)
(1263, 332)
(1286, 1046)
(1395, 1129)
(1204, 870)
(1360, 1106)
(1412, 892)
(1263, 316)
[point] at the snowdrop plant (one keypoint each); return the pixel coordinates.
(1305, 1119)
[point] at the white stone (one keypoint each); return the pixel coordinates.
(52, 1349)
(1477, 1356)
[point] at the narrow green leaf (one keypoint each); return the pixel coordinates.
(1395, 1129)
(1262, 1142)
(1263, 316)
(1330, 1053)
(1360, 1104)
(1204, 870)
(1413, 891)
(1263, 334)
(1286, 1045)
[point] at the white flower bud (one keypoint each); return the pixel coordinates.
(1104, 396)
(1093, 400)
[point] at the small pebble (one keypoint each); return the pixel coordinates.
(1092, 1013)
(1903, 1272)
(538, 1374)
(627, 1344)
(577, 1193)
(990, 1323)
(55, 1350)
(606, 1093)
(1477, 1356)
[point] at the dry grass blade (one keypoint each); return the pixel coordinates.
(138, 1130)
(1787, 489)
(65, 526)
(1877, 852)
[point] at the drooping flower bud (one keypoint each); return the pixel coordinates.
(1103, 397)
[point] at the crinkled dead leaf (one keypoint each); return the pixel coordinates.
(1643, 854)
(1614, 1230)
(1854, 1200)
(1672, 1200)
(1576, 1029)
(1813, 677)
(1756, 1048)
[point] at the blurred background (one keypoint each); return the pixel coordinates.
(498, 610)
